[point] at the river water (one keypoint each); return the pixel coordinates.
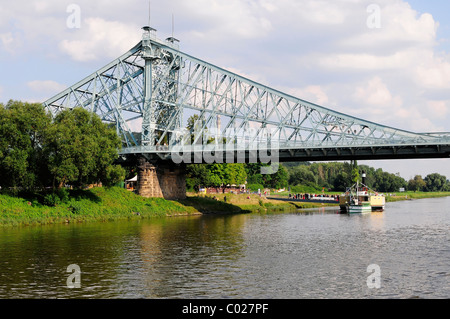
(318, 254)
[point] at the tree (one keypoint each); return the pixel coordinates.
(216, 175)
(253, 172)
(234, 174)
(197, 175)
(435, 182)
(416, 184)
(278, 179)
(340, 183)
(301, 175)
(194, 125)
(81, 149)
(23, 128)
(386, 182)
(355, 172)
(112, 175)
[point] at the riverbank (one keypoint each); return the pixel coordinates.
(245, 203)
(390, 197)
(414, 195)
(111, 204)
(97, 204)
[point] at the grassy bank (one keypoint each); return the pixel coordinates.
(415, 195)
(109, 204)
(254, 203)
(97, 204)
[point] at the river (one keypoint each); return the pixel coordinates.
(317, 254)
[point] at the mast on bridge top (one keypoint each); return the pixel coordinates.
(172, 40)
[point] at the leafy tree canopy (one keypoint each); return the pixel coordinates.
(75, 148)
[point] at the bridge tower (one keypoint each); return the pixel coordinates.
(155, 178)
(150, 56)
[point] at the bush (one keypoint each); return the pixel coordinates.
(55, 198)
(255, 187)
(51, 199)
(307, 188)
(63, 195)
(76, 207)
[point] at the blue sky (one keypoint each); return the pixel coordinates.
(441, 13)
(323, 51)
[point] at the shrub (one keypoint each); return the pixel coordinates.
(63, 195)
(51, 199)
(255, 187)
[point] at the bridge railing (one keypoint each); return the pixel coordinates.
(274, 146)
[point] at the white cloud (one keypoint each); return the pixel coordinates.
(236, 19)
(312, 93)
(101, 39)
(376, 93)
(256, 77)
(401, 27)
(321, 12)
(438, 109)
(7, 41)
(39, 91)
(46, 87)
(433, 73)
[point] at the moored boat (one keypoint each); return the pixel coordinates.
(360, 199)
(357, 207)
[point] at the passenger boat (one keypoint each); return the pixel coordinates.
(356, 206)
(359, 199)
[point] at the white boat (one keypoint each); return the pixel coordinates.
(358, 207)
(358, 199)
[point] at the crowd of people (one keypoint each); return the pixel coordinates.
(314, 197)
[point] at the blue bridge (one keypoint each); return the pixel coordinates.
(171, 109)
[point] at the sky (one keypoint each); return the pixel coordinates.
(386, 61)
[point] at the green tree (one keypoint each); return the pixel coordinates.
(23, 128)
(435, 182)
(340, 183)
(253, 171)
(214, 175)
(197, 175)
(112, 175)
(217, 174)
(81, 150)
(301, 175)
(194, 125)
(355, 175)
(386, 182)
(354, 172)
(234, 174)
(278, 179)
(416, 184)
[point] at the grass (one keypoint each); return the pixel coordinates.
(97, 204)
(244, 203)
(109, 204)
(415, 195)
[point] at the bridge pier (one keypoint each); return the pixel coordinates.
(164, 180)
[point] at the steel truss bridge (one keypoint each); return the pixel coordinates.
(154, 90)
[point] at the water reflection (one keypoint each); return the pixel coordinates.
(184, 252)
(314, 254)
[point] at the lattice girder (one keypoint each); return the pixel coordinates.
(230, 108)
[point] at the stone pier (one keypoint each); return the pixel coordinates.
(164, 180)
